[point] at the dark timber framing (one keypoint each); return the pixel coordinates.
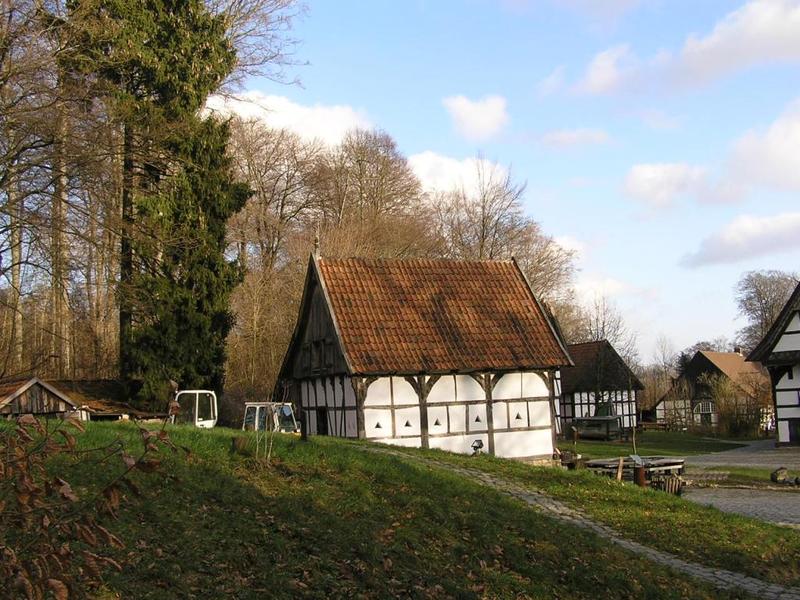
(319, 372)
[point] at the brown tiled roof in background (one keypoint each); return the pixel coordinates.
(435, 316)
(734, 365)
(597, 367)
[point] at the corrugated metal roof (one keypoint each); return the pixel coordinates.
(434, 316)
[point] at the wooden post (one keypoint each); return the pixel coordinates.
(619, 469)
(360, 391)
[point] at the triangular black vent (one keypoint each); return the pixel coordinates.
(378, 426)
(408, 424)
(478, 419)
(436, 423)
(518, 417)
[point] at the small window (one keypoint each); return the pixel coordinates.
(790, 374)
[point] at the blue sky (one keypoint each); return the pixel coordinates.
(661, 139)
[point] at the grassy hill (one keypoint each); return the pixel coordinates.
(327, 519)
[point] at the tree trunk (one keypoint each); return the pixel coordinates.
(61, 318)
(15, 210)
(126, 257)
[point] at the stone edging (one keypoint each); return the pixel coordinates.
(719, 578)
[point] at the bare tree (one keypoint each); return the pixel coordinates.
(760, 296)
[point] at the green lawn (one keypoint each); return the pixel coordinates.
(698, 533)
(651, 443)
(328, 520)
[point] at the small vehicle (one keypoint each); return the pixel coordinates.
(269, 416)
(197, 407)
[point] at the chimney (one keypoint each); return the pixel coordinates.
(738, 350)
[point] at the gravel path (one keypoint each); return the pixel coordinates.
(719, 578)
(761, 454)
(778, 507)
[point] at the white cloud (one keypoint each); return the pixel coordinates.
(328, 123)
(661, 184)
(567, 138)
(477, 119)
(440, 173)
(553, 83)
(599, 286)
(607, 71)
(747, 237)
(761, 31)
(771, 157)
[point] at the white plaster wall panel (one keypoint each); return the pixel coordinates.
(794, 323)
(437, 413)
(329, 393)
(539, 413)
(500, 415)
(414, 442)
(335, 422)
(443, 390)
(508, 387)
(787, 398)
(319, 390)
(517, 444)
(557, 383)
(476, 417)
(338, 393)
(303, 393)
(468, 389)
(373, 418)
(379, 393)
(518, 409)
(791, 412)
(312, 421)
(461, 444)
(783, 431)
(404, 394)
(349, 393)
(458, 418)
(788, 343)
(533, 386)
(407, 421)
(351, 423)
(794, 382)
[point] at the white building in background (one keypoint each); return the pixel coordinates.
(779, 351)
(426, 353)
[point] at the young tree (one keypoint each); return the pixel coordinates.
(185, 285)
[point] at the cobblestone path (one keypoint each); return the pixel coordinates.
(719, 578)
(778, 507)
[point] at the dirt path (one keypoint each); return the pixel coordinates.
(719, 578)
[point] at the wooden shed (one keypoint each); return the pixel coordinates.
(33, 396)
(599, 376)
(779, 352)
(427, 353)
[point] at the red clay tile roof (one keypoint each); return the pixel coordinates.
(436, 316)
(598, 367)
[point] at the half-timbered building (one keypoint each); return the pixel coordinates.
(779, 352)
(427, 353)
(691, 402)
(600, 377)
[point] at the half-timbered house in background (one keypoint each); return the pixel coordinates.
(599, 377)
(691, 402)
(426, 353)
(779, 352)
